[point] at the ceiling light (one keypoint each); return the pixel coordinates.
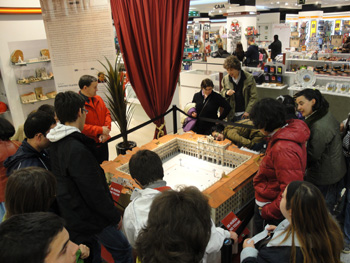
(286, 3)
(278, 3)
(220, 11)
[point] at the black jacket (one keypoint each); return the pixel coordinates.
(252, 56)
(83, 195)
(276, 48)
(27, 156)
(209, 109)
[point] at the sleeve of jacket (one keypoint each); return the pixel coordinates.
(232, 133)
(92, 130)
(317, 143)
(129, 227)
(217, 238)
(225, 88)
(83, 170)
(253, 98)
(226, 106)
(108, 119)
(288, 168)
(249, 255)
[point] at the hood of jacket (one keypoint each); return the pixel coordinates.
(24, 152)
(60, 132)
(296, 131)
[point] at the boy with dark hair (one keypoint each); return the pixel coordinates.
(83, 195)
(284, 160)
(146, 168)
(33, 152)
(98, 122)
(36, 238)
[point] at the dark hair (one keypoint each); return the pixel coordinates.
(310, 94)
(6, 129)
(207, 83)
(275, 37)
(178, 228)
(67, 106)
(27, 237)
(289, 104)
(318, 233)
(146, 167)
(30, 189)
(86, 80)
(217, 128)
(38, 122)
(268, 114)
(49, 109)
(263, 51)
(232, 62)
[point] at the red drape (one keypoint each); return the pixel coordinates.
(151, 34)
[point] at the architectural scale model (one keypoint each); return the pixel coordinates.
(219, 169)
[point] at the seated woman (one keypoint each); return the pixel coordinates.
(308, 234)
(207, 106)
(325, 161)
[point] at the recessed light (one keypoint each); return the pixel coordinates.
(286, 3)
(278, 3)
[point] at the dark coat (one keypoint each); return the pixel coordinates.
(276, 48)
(325, 159)
(83, 195)
(209, 109)
(252, 56)
(27, 156)
(284, 162)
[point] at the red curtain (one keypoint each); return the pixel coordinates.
(151, 34)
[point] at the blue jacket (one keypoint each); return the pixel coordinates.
(27, 156)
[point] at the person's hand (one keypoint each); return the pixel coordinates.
(246, 244)
(245, 115)
(341, 127)
(194, 114)
(271, 228)
(102, 138)
(85, 251)
(220, 137)
(230, 92)
(105, 130)
(120, 223)
(234, 236)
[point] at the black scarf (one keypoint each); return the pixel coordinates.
(316, 116)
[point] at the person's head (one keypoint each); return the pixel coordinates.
(30, 189)
(268, 115)
(239, 47)
(178, 228)
(207, 86)
(289, 105)
(146, 167)
(275, 37)
(49, 109)
(70, 107)
(88, 85)
(6, 129)
(251, 41)
(233, 66)
(319, 235)
(36, 127)
(310, 100)
(36, 238)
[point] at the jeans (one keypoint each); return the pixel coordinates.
(331, 193)
(116, 244)
(347, 219)
(2, 210)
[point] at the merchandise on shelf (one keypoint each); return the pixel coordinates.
(17, 56)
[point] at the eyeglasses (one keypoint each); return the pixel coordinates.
(85, 110)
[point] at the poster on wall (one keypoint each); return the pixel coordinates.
(79, 35)
(283, 31)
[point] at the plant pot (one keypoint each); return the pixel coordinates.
(121, 149)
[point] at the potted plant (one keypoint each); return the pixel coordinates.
(121, 110)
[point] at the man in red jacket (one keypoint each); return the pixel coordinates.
(284, 161)
(98, 120)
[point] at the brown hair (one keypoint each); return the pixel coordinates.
(320, 237)
(30, 189)
(178, 228)
(232, 62)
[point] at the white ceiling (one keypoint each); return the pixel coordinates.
(208, 6)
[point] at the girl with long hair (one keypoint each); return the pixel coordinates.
(309, 234)
(239, 52)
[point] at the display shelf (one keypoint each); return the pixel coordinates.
(276, 87)
(33, 82)
(340, 94)
(36, 101)
(28, 63)
(317, 61)
(325, 77)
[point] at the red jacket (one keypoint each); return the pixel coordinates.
(284, 162)
(7, 148)
(97, 117)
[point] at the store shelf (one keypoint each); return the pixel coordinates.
(324, 77)
(276, 87)
(36, 101)
(33, 82)
(312, 60)
(340, 94)
(28, 63)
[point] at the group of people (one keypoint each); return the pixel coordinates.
(55, 174)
